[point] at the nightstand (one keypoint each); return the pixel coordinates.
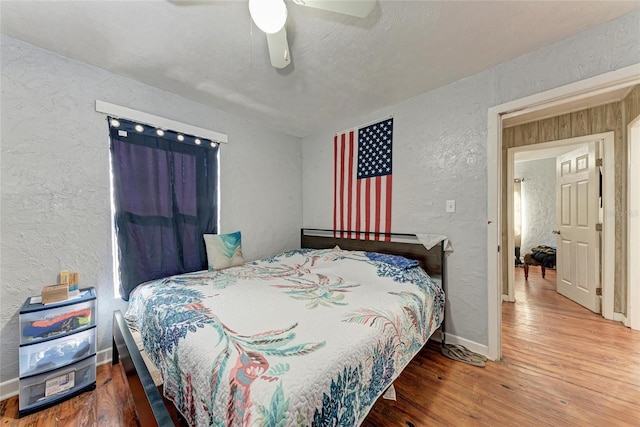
(57, 350)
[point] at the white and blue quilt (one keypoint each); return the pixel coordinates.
(308, 337)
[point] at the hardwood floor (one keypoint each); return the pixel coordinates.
(110, 404)
(562, 366)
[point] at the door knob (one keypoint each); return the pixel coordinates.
(556, 231)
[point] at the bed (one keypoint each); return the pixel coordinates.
(312, 336)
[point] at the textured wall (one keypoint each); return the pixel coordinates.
(538, 202)
(55, 180)
(440, 146)
(438, 154)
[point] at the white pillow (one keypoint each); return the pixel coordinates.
(223, 250)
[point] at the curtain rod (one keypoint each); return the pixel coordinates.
(121, 112)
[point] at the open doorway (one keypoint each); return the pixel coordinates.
(535, 221)
(587, 279)
(534, 204)
(547, 106)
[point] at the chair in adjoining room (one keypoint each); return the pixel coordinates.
(530, 260)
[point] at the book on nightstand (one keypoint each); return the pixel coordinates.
(70, 278)
(54, 293)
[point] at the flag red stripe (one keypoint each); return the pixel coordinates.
(367, 209)
(342, 153)
(378, 183)
(358, 209)
(388, 215)
(350, 186)
(335, 183)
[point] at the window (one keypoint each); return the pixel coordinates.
(165, 197)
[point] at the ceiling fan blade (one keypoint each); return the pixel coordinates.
(359, 8)
(279, 48)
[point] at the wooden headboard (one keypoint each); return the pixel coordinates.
(432, 260)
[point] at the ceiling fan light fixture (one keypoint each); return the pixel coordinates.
(269, 15)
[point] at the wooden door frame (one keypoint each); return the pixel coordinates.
(623, 77)
(607, 260)
(633, 204)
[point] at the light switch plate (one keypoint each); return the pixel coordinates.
(451, 206)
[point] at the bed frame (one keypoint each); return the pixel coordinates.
(149, 403)
(407, 245)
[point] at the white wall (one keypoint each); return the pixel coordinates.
(538, 202)
(440, 149)
(55, 180)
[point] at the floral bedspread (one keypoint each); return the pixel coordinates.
(308, 337)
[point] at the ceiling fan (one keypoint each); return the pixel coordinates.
(271, 16)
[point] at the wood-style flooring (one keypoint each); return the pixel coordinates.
(562, 366)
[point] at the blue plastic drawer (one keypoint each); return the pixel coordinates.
(46, 388)
(49, 355)
(36, 326)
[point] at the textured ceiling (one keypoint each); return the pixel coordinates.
(210, 52)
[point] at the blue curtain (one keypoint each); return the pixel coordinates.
(165, 194)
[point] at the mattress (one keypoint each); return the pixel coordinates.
(308, 337)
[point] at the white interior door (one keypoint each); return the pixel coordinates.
(578, 252)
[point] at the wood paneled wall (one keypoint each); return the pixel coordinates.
(632, 104)
(605, 118)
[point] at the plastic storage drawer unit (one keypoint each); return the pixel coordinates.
(57, 350)
(40, 322)
(48, 355)
(45, 389)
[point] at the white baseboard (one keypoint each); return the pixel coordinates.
(507, 298)
(619, 317)
(454, 339)
(12, 387)
(103, 356)
(9, 389)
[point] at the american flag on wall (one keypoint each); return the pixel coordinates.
(362, 181)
